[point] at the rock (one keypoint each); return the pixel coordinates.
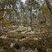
(3, 36)
(29, 28)
(26, 50)
(35, 38)
(12, 45)
(22, 28)
(22, 39)
(23, 32)
(23, 49)
(31, 32)
(35, 50)
(29, 50)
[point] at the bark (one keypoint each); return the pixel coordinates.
(49, 6)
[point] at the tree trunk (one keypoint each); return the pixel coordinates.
(49, 5)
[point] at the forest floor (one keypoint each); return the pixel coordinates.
(22, 36)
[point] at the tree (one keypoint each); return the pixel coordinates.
(49, 5)
(31, 5)
(8, 7)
